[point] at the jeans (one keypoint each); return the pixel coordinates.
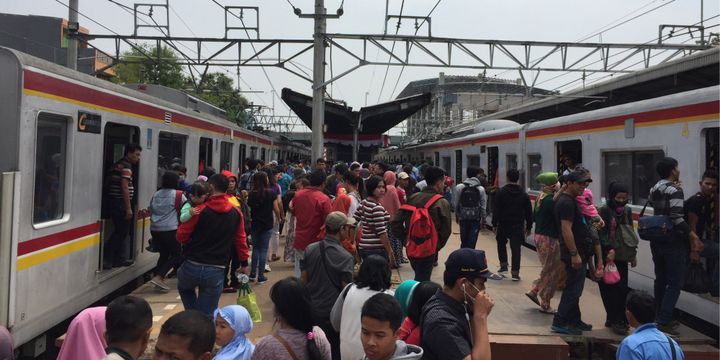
(469, 230)
(169, 249)
(613, 296)
(299, 257)
(209, 281)
(568, 311)
(516, 234)
(381, 252)
(423, 268)
(261, 239)
(670, 268)
(118, 242)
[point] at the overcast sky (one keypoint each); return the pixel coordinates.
(540, 20)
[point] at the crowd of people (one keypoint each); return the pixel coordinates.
(348, 227)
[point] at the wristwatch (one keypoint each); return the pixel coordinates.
(573, 252)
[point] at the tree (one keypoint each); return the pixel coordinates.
(166, 72)
(217, 89)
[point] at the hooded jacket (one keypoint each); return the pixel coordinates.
(390, 200)
(472, 182)
(209, 237)
(511, 206)
(404, 351)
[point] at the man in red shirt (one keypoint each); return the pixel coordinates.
(310, 206)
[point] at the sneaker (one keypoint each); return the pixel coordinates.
(503, 269)
(515, 277)
(267, 268)
(619, 329)
(533, 296)
(670, 329)
(262, 280)
(565, 330)
(583, 326)
(160, 284)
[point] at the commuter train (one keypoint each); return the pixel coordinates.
(61, 130)
(620, 143)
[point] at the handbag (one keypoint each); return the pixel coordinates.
(611, 275)
(696, 279)
(655, 228)
(246, 298)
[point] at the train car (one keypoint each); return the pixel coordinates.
(620, 143)
(61, 132)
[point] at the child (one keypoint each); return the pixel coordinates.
(594, 222)
(198, 194)
(232, 323)
(128, 322)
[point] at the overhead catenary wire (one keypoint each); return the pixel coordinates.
(392, 51)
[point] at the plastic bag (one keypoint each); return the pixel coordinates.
(611, 275)
(696, 279)
(246, 298)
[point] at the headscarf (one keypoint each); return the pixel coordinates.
(390, 201)
(548, 180)
(614, 189)
(240, 347)
(85, 338)
(6, 345)
(403, 293)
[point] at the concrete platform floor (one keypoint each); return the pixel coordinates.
(513, 313)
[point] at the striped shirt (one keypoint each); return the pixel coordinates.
(374, 220)
(120, 170)
(667, 198)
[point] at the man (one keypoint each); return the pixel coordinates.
(185, 185)
(352, 183)
(355, 168)
(321, 165)
(575, 250)
(439, 214)
(699, 216)
(128, 322)
(334, 180)
(310, 208)
(120, 194)
(454, 322)
(380, 320)
(326, 268)
(412, 181)
(207, 239)
(568, 162)
(670, 259)
(512, 219)
(470, 205)
(187, 335)
(246, 179)
(380, 169)
(646, 342)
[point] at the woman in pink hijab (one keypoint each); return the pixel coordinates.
(390, 200)
(85, 337)
(6, 345)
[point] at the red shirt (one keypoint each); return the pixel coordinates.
(312, 206)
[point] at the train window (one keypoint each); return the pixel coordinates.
(635, 169)
(492, 164)
(569, 155)
(458, 166)
(511, 161)
(437, 158)
(473, 160)
(226, 155)
(50, 164)
(205, 157)
(262, 154)
(171, 151)
(446, 164)
(253, 152)
(533, 169)
(242, 156)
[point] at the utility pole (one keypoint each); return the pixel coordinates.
(318, 112)
(72, 28)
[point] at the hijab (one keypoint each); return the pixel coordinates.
(85, 337)
(6, 345)
(240, 347)
(390, 201)
(614, 189)
(403, 293)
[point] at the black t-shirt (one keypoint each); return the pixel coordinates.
(261, 211)
(566, 208)
(445, 331)
(699, 204)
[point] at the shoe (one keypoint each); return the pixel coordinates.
(547, 310)
(533, 296)
(565, 330)
(274, 258)
(262, 280)
(670, 328)
(503, 269)
(583, 326)
(160, 284)
(619, 329)
(252, 279)
(229, 290)
(267, 268)
(515, 277)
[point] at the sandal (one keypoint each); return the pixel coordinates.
(547, 310)
(533, 296)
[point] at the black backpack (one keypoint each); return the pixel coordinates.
(469, 203)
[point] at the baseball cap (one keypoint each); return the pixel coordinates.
(403, 175)
(469, 262)
(335, 220)
(580, 174)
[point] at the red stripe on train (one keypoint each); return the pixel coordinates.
(47, 241)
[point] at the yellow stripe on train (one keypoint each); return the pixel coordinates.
(39, 257)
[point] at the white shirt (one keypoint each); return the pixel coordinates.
(350, 326)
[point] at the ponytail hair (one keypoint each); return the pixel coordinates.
(292, 302)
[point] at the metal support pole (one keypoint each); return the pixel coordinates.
(356, 135)
(318, 111)
(72, 47)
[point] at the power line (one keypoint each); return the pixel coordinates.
(87, 17)
(392, 50)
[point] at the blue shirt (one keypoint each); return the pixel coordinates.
(647, 342)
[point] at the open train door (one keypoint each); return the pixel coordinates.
(7, 196)
(115, 138)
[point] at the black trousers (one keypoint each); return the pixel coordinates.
(613, 296)
(119, 241)
(516, 235)
(332, 336)
(231, 267)
(169, 249)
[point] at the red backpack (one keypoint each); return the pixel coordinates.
(422, 237)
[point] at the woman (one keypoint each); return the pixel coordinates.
(403, 294)
(410, 329)
(295, 336)
(619, 244)
(263, 203)
(391, 202)
(164, 210)
(374, 218)
(231, 281)
(232, 323)
(373, 277)
(85, 337)
(547, 243)
(273, 177)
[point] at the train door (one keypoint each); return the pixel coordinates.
(226, 155)
(458, 166)
(242, 156)
(569, 155)
(437, 158)
(712, 146)
(116, 137)
(492, 165)
(446, 164)
(205, 155)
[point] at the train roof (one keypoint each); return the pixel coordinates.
(25, 61)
